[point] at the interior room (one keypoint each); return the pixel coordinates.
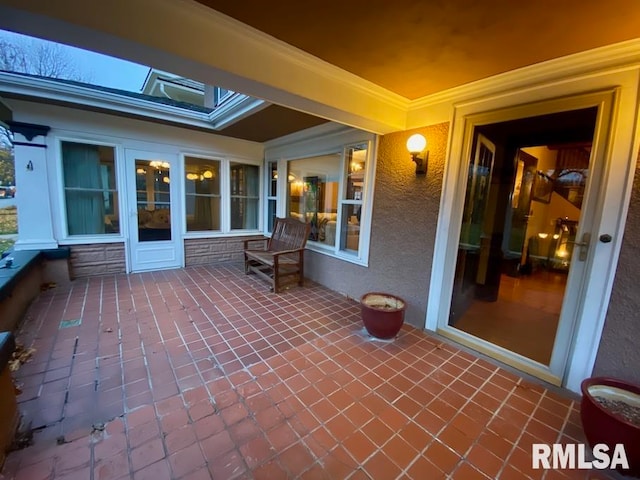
(524, 197)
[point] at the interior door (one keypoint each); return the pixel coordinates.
(154, 237)
(524, 239)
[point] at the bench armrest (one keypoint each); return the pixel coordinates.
(285, 252)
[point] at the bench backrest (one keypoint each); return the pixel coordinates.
(288, 234)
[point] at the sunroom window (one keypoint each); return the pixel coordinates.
(90, 189)
(327, 192)
(202, 194)
(272, 194)
(351, 204)
(245, 196)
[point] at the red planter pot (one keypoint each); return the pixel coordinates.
(603, 426)
(382, 314)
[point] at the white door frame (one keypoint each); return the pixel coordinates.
(154, 255)
(619, 148)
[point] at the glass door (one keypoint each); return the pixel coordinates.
(522, 246)
(154, 242)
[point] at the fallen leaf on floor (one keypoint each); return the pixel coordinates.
(47, 286)
(20, 356)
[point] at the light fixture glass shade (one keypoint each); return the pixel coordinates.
(192, 176)
(207, 174)
(416, 143)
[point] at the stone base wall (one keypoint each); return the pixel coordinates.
(105, 258)
(201, 251)
(97, 259)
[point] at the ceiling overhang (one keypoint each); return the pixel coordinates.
(173, 34)
(172, 38)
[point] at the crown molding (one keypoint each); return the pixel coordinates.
(438, 107)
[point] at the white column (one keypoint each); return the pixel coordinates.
(35, 222)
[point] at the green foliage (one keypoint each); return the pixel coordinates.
(7, 167)
(8, 220)
(5, 245)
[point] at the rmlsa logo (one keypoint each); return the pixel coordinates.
(574, 456)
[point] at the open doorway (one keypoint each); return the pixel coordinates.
(523, 203)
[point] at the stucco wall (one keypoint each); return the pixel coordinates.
(619, 352)
(405, 214)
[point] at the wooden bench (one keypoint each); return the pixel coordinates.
(281, 256)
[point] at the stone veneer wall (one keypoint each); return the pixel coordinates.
(96, 259)
(201, 251)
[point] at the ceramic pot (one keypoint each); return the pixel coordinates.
(382, 314)
(602, 424)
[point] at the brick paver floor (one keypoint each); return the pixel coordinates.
(203, 373)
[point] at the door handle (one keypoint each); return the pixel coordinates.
(583, 245)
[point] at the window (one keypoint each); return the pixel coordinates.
(351, 204)
(90, 190)
(272, 192)
(221, 94)
(245, 196)
(202, 192)
(327, 192)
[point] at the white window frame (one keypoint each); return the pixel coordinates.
(336, 139)
(267, 189)
(225, 197)
(183, 164)
(61, 214)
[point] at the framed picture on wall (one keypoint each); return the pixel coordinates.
(542, 188)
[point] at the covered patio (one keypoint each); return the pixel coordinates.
(203, 373)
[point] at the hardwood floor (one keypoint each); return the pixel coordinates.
(524, 319)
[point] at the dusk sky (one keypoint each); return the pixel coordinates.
(98, 69)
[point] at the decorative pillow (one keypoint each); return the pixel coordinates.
(322, 224)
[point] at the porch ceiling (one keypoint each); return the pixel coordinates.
(416, 48)
(366, 63)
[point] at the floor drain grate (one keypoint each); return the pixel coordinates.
(70, 323)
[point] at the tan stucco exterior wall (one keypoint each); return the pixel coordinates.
(619, 352)
(405, 214)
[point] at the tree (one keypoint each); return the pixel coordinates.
(37, 57)
(7, 165)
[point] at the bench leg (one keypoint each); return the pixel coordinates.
(301, 269)
(275, 278)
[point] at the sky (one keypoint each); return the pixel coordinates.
(96, 68)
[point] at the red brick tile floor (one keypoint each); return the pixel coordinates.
(203, 373)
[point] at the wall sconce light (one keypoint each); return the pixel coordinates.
(30, 166)
(416, 145)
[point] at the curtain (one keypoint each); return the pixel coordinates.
(83, 189)
(203, 217)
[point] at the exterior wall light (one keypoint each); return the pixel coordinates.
(417, 145)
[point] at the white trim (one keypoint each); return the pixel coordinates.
(325, 140)
(219, 118)
(234, 110)
(250, 62)
(58, 189)
(437, 108)
(610, 215)
(264, 67)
